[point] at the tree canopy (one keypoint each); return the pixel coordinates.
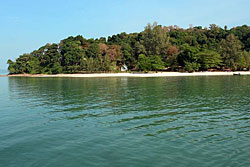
(156, 48)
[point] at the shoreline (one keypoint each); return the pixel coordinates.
(136, 74)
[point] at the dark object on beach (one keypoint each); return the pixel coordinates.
(236, 73)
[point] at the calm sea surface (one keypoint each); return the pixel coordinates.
(174, 121)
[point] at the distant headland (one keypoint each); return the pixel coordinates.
(157, 48)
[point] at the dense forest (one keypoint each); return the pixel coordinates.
(156, 48)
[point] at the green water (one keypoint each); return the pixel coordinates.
(174, 121)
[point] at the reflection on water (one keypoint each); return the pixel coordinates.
(138, 121)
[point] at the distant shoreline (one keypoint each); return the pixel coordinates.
(136, 74)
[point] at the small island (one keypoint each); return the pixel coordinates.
(99, 83)
(158, 48)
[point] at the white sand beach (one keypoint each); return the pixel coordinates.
(136, 74)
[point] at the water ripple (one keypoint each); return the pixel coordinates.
(198, 120)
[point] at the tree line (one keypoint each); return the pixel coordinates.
(156, 48)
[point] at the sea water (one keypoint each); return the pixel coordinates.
(169, 121)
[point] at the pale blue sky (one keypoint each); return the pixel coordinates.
(26, 25)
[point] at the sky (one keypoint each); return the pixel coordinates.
(26, 25)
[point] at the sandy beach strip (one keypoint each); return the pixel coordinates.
(136, 74)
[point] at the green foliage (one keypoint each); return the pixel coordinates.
(192, 66)
(144, 63)
(156, 63)
(155, 39)
(148, 63)
(188, 54)
(56, 68)
(93, 51)
(208, 59)
(230, 49)
(154, 48)
(11, 68)
(246, 56)
(34, 66)
(243, 33)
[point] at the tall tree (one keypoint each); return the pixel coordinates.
(209, 59)
(230, 49)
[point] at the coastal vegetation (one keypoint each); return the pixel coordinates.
(156, 48)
